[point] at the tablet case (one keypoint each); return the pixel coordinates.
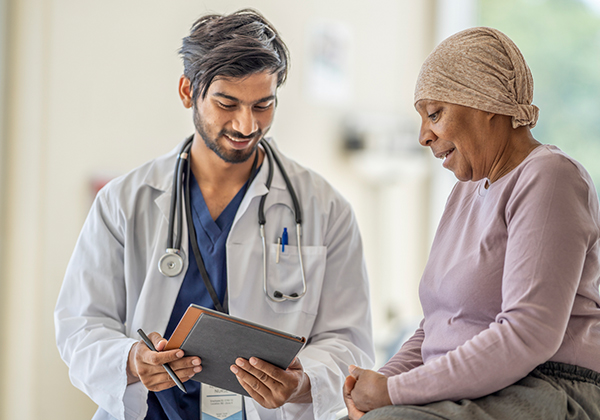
(218, 339)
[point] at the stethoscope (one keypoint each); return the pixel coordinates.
(171, 263)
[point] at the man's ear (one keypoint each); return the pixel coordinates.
(185, 91)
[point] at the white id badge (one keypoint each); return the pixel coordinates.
(219, 404)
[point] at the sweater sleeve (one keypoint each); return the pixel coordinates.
(407, 358)
(550, 226)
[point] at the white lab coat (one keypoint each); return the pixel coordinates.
(112, 285)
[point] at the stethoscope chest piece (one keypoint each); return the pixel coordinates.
(171, 263)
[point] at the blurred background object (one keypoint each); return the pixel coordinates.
(560, 39)
(88, 91)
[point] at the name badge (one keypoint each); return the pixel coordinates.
(220, 404)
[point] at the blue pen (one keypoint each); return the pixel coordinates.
(284, 239)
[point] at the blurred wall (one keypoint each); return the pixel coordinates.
(92, 92)
(3, 65)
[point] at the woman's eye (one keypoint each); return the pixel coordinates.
(433, 116)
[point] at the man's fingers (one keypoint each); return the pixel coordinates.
(160, 382)
(158, 341)
(160, 346)
(251, 384)
(148, 364)
(265, 372)
(271, 386)
(253, 376)
(156, 378)
(186, 362)
(156, 358)
(186, 367)
(187, 373)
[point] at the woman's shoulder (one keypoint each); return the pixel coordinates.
(548, 157)
(548, 168)
(547, 164)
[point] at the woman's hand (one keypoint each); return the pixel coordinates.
(353, 412)
(369, 390)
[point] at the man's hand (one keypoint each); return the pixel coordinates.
(353, 412)
(271, 386)
(146, 365)
(369, 390)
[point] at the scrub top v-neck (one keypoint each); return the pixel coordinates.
(173, 404)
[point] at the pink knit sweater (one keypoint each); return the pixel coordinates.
(512, 281)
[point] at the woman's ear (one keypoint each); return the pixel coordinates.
(498, 119)
(185, 91)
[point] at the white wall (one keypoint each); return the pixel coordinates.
(92, 91)
(3, 63)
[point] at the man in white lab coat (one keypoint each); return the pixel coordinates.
(234, 65)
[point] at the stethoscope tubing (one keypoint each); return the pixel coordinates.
(176, 198)
(277, 295)
(171, 263)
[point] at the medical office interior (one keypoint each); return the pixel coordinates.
(89, 91)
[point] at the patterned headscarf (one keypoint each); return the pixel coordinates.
(480, 68)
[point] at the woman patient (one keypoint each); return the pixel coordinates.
(510, 294)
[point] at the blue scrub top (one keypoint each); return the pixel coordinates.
(172, 403)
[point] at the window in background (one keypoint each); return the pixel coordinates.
(560, 40)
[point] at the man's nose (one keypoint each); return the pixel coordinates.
(245, 121)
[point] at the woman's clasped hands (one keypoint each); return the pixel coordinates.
(364, 390)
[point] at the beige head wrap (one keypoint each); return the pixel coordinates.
(483, 69)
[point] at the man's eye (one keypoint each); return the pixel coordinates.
(263, 107)
(226, 106)
(433, 116)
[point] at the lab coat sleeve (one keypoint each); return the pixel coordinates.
(90, 315)
(342, 333)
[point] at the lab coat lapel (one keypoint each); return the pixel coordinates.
(159, 293)
(161, 179)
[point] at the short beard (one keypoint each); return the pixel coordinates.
(235, 156)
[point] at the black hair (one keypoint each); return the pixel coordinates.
(235, 45)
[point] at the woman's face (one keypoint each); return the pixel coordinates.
(459, 135)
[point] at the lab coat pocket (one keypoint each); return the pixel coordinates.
(284, 274)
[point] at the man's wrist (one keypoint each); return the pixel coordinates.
(132, 376)
(303, 394)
